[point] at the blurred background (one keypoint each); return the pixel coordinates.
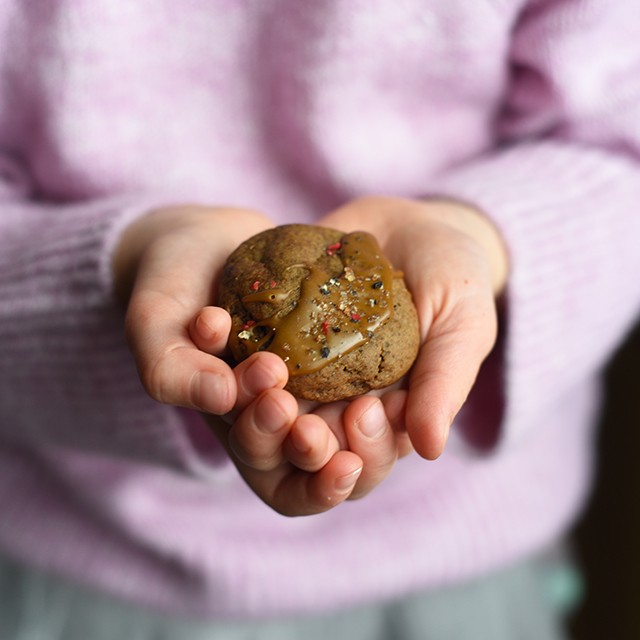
(607, 539)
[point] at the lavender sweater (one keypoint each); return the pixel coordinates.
(529, 110)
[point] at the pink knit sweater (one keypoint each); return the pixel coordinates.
(529, 110)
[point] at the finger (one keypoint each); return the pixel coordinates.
(300, 493)
(311, 443)
(332, 414)
(209, 330)
(395, 403)
(160, 309)
(371, 437)
(257, 435)
(442, 377)
(171, 368)
(259, 372)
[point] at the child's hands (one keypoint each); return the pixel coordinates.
(301, 462)
(303, 459)
(166, 267)
(298, 458)
(454, 264)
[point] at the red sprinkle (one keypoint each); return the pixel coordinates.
(356, 317)
(273, 284)
(325, 327)
(255, 286)
(249, 324)
(332, 248)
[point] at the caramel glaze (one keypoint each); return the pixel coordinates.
(333, 315)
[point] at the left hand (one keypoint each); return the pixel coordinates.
(455, 265)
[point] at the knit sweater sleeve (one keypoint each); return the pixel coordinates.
(563, 188)
(67, 378)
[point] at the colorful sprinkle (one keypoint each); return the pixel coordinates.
(255, 286)
(356, 317)
(324, 352)
(332, 248)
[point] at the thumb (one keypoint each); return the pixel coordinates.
(444, 373)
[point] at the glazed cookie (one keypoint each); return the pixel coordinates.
(328, 303)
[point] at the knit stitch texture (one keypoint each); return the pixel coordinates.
(528, 110)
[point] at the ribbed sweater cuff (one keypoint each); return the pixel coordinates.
(62, 252)
(68, 375)
(565, 214)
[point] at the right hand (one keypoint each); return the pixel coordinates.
(165, 268)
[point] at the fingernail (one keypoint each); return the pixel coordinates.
(269, 416)
(373, 422)
(211, 386)
(344, 484)
(205, 331)
(296, 438)
(259, 377)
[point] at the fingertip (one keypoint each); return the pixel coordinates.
(345, 484)
(258, 433)
(303, 493)
(213, 391)
(260, 371)
(304, 432)
(372, 422)
(274, 410)
(310, 443)
(337, 480)
(210, 328)
(428, 437)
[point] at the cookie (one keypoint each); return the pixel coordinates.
(328, 303)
